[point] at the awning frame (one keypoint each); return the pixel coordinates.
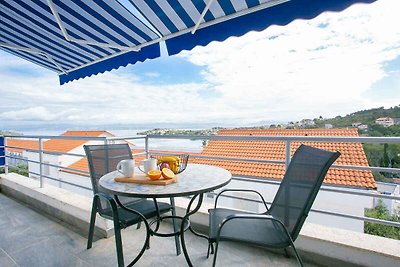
(192, 29)
(34, 51)
(78, 39)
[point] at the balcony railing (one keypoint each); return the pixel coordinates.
(9, 157)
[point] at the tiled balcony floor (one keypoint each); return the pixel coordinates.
(28, 238)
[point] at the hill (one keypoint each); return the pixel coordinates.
(383, 155)
(367, 117)
(364, 116)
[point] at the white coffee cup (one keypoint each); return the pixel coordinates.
(126, 167)
(147, 165)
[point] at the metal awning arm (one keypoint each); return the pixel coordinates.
(202, 16)
(34, 51)
(72, 39)
(268, 4)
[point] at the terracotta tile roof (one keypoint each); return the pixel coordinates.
(352, 154)
(82, 164)
(58, 145)
(141, 157)
(65, 145)
(22, 145)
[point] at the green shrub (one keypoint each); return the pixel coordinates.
(381, 212)
(23, 170)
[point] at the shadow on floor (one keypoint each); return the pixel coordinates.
(28, 238)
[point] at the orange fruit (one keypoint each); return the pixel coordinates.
(167, 173)
(154, 174)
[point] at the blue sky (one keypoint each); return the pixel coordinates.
(171, 70)
(335, 64)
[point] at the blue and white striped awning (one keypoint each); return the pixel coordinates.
(79, 38)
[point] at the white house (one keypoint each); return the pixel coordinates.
(305, 123)
(53, 154)
(389, 189)
(15, 150)
(363, 127)
(385, 121)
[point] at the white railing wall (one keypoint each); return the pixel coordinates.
(146, 149)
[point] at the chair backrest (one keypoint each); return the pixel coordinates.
(300, 186)
(103, 159)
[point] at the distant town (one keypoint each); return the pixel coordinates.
(372, 122)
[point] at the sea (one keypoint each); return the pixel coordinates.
(157, 144)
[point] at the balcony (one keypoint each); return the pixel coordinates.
(31, 239)
(51, 228)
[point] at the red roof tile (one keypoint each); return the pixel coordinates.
(58, 145)
(21, 145)
(65, 145)
(82, 164)
(352, 154)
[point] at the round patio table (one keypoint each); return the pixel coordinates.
(196, 180)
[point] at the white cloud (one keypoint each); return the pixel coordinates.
(152, 74)
(281, 74)
(34, 113)
(303, 68)
(113, 97)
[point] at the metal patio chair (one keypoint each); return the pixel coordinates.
(280, 225)
(124, 211)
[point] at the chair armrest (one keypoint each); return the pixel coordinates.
(112, 203)
(110, 200)
(105, 196)
(251, 216)
(254, 217)
(240, 190)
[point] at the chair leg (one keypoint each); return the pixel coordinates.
(210, 246)
(297, 256)
(294, 248)
(118, 244)
(177, 241)
(215, 253)
(92, 222)
(148, 244)
(286, 253)
(138, 225)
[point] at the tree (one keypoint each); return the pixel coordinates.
(4, 132)
(383, 155)
(385, 161)
(381, 212)
(23, 170)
